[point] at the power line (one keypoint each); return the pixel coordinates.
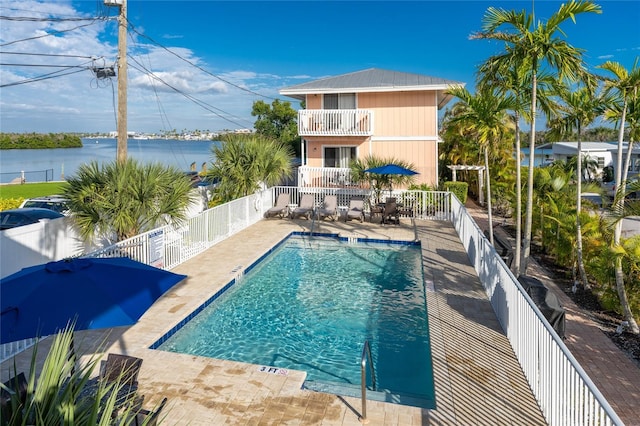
(54, 32)
(42, 65)
(54, 74)
(198, 66)
(49, 54)
(214, 110)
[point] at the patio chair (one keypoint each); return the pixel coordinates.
(329, 208)
(306, 207)
(281, 207)
(123, 368)
(356, 210)
(391, 211)
(17, 391)
(150, 417)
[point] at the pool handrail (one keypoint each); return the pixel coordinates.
(366, 354)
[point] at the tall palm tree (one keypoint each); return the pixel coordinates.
(626, 86)
(118, 200)
(244, 163)
(537, 45)
(511, 76)
(580, 107)
(484, 116)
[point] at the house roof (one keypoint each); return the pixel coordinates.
(570, 148)
(373, 80)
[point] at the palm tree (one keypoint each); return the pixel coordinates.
(510, 76)
(537, 46)
(243, 163)
(626, 85)
(120, 200)
(376, 181)
(484, 116)
(579, 109)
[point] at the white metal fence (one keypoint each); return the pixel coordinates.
(564, 391)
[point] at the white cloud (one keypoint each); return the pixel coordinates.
(81, 102)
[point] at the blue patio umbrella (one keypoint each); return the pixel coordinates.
(391, 169)
(94, 292)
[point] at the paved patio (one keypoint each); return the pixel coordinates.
(477, 378)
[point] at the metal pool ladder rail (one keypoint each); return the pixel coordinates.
(366, 354)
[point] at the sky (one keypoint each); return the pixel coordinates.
(200, 65)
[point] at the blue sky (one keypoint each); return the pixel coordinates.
(222, 56)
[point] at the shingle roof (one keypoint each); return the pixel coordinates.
(369, 80)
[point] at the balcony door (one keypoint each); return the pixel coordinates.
(339, 101)
(339, 156)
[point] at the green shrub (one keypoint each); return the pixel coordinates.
(460, 189)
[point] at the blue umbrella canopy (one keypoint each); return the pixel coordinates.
(391, 169)
(95, 293)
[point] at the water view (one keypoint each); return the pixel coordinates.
(56, 164)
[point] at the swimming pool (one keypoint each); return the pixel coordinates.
(311, 304)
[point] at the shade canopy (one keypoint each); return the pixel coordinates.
(391, 169)
(95, 293)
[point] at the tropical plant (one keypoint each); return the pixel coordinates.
(244, 163)
(62, 392)
(626, 85)
(121, 200)
(579, 108)
(277, 121)
(378, 182)
(537, 45)
(483, 117)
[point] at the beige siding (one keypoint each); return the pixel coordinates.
(402, 113)
(420, 154)
(405, 121)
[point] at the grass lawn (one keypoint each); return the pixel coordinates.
(30, 190)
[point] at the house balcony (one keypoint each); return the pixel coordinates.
(335, 122)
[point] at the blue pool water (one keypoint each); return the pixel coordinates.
(311, 304)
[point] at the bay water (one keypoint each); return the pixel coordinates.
(41, 165)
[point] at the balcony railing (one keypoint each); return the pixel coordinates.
(335, 122)
(325, 177)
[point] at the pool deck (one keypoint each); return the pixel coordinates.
(477, 378)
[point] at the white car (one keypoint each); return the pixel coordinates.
(56, 203)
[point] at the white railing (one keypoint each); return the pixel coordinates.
(325, 177)
(335, 122)
(8, 350)
(167, 247)
(564, 391)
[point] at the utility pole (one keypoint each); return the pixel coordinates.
(121, 154)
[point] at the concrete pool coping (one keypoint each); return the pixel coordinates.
(477, 377)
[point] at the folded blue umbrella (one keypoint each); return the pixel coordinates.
(92, 293)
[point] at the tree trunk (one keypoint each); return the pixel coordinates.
(583, 273)
(532, 146)
(489, 206)
(518, 253)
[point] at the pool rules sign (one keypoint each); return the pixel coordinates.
(156, 248)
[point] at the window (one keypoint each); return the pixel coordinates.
(340, 101)
(339, 156)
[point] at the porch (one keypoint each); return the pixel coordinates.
(335, 122)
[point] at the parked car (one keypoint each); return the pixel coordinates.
(56, 203)
(610, 188)
(26, 216)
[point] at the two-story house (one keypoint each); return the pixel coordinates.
(386, 114)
